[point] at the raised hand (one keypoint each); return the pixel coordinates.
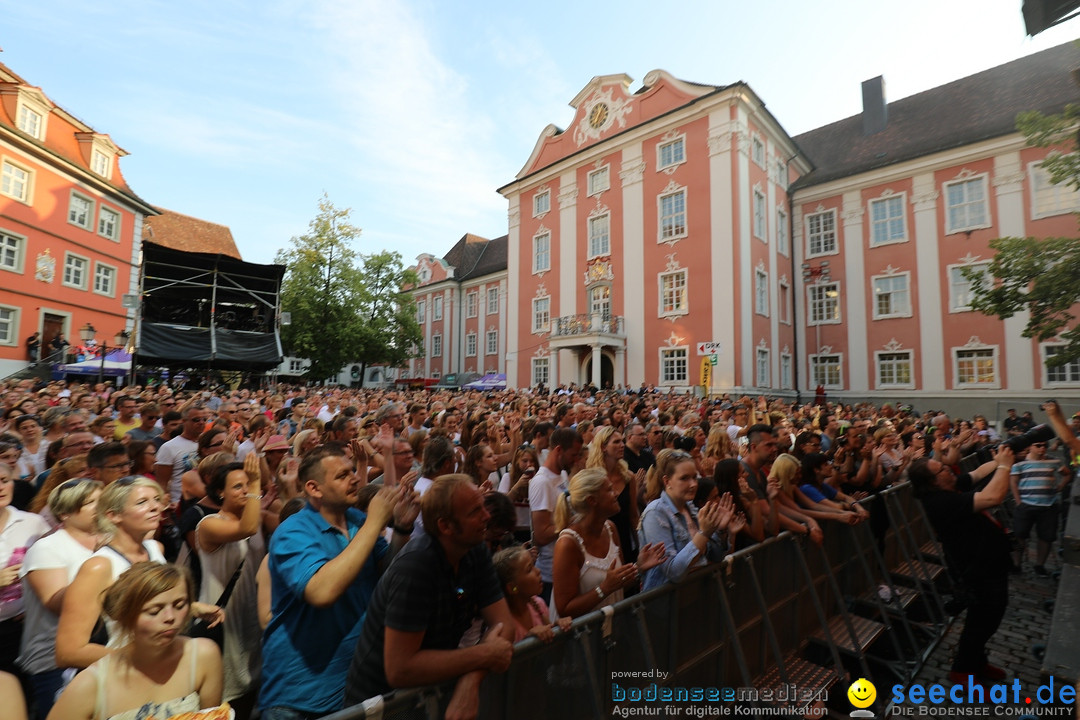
(650, 556)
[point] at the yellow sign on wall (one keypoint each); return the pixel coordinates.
(706, 372)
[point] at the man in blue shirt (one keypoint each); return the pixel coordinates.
(324, 564)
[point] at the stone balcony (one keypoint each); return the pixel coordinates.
(588, 329)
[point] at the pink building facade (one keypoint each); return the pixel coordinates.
(69, 226)
(678, 224)
(657, 222)
(461, 307)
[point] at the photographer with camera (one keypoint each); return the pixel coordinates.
(976, 546)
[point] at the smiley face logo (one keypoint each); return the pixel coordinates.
(862, 693)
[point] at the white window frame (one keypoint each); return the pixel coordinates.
(101, 163)
(11, 325)
(88, 222)
(785, 371)
(761, 293)
(897, 312)
(600, 300)
(69, 257)
(545, 238)
(541, 203)
(968, 223)
(436, 307)
(757, 151)
(782, 232)
(491, 342)
(599, 242)
(781, 174)
(665, 291)
(761, 230)
(111, 271)
(17, 244)
(881, 357)
(827, 246)
(762, 368)
(541, 320)
(986, 350)
(421, 312)
(116, 225)
(10, 177)
(783, 302)
(436, 345)
(887, 224)
(815, 361)
(1070, 369)
(955, 287)
(671, 358)
(1062, 199)
(818, 294)
(599, 180)
(664, 222)
(677, 158)
(541, 371)
(23, 113)
(470, 344)
(493, 301)
(472, 303)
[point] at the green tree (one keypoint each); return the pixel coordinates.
(390, 329)
(324, 291)
(1039, 275)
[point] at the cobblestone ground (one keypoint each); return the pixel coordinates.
(1026, 623)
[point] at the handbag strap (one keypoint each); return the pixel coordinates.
(224, 599)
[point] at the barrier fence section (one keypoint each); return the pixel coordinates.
(784, 617)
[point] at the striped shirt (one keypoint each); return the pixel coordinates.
(1037, 482)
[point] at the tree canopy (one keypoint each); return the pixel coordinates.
(1039, 275)
(346, 307)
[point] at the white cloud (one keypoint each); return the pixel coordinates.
(422, 151)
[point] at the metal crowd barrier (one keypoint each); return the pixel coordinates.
(868, 603)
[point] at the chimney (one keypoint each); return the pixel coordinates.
(875, 112)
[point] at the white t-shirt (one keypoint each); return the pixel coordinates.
(176, 452)
(52, 552)
(544, 491)
(19, 533)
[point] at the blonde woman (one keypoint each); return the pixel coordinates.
(606, 452)
(158, 673)
(718, 446)
(588, 571)
(48, 569)
(128, 514)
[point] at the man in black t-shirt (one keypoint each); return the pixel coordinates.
(976, 548)
(426, 601)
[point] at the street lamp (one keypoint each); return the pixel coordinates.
(87, 333)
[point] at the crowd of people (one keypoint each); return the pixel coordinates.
(333, 544)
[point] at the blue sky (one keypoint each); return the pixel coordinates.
(413, 112)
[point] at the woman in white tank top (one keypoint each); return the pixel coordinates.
(588, 572)
(159, 672)
(128, 512)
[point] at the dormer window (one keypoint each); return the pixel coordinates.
(101, 163)
(32, 114)
(30, 122)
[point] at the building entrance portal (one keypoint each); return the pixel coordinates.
(607, 372)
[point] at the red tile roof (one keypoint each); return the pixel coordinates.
(183, 232)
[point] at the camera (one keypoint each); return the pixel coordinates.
(685, 443)
(1039, 433)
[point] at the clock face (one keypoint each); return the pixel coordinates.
(599, 115)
